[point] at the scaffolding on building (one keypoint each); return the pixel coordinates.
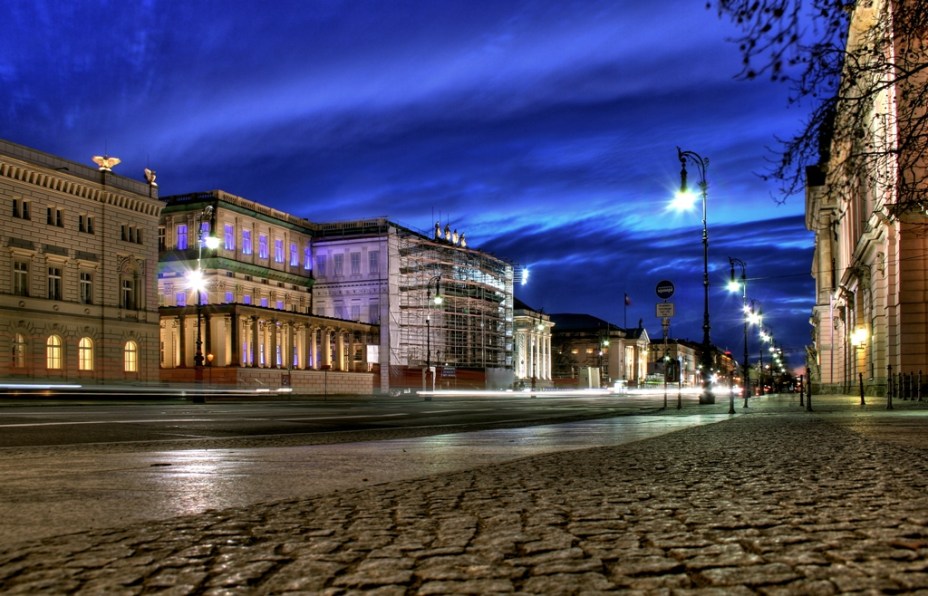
(472, 327)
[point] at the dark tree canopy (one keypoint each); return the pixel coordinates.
(862, 66)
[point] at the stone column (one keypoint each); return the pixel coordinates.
(254, 341)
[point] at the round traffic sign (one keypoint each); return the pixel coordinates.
(664, 289)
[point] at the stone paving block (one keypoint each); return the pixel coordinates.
(755, 576)
(567, 583)
(647, 565)
(711, 521)
(478, 586)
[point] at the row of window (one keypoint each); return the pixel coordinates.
(180, 299)
(183, 242)
(354, 262)
(54, 354)
(22, 209)
(130, 295)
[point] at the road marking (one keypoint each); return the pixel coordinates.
(69, 423)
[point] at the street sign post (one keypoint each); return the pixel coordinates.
(664, 289)
(665, 310)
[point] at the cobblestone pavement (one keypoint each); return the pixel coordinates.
(776, 500)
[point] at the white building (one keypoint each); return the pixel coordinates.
(380, 272)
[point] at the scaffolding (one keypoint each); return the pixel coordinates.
(472, 327)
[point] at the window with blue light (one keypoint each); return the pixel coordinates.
(229, 237)
(262, 246)
(278, 251)
(182, 242)
(246, 242)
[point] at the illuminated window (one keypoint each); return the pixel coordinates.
(294, 255)
(246, 242)
(182, 241)
(131, 357)
(262, 246)
(278, 251)
(229, 237)
(85, 354)
(53, 353)
(307, 257)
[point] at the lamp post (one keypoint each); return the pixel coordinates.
(428, 324)
(734, 285)
(765, 337)
(701, 163)
(197, 282)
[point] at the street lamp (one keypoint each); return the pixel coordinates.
(733, 286)
(684, 197)
(764, 338)
(428, 323)
(196, 281)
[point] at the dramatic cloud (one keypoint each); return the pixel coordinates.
(545, 129)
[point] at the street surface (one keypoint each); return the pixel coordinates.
(774, 499)
(71, 468)
(230, 422)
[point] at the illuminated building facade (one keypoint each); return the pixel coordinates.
(532, 347)
(440, 303)
(583, 342)
(865, 204)
(253, 325)
(77, 298)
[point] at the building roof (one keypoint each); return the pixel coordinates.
(581, 322)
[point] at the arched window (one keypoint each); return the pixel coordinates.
(131, 357)
(53, 353)
(19, 351)
(85, 354)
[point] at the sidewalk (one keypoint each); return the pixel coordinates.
(774, 500)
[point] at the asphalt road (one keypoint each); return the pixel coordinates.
(219, 423)
(74, 468)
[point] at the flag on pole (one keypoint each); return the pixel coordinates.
(628, 301)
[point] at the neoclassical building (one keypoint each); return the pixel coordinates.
(445, 309)
(532, 347)
(235, 280)
(582, 342)
(864, 204)
(78, 302)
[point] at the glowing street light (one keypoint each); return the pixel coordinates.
(734, 286)
(196, 281)
(684, 200)
(428, 323)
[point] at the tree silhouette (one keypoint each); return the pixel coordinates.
(863, 66)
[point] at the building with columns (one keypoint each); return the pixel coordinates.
(581, 341)
(531, 347)
(445, 309)
(865, 204)
(235, 279)
(78, 303)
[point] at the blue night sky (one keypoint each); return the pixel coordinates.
(546, 130)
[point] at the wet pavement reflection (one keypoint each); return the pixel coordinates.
(72, 492)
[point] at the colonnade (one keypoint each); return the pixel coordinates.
(260, 339)
(534, 359)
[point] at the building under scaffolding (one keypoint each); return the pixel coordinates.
(442, 306)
